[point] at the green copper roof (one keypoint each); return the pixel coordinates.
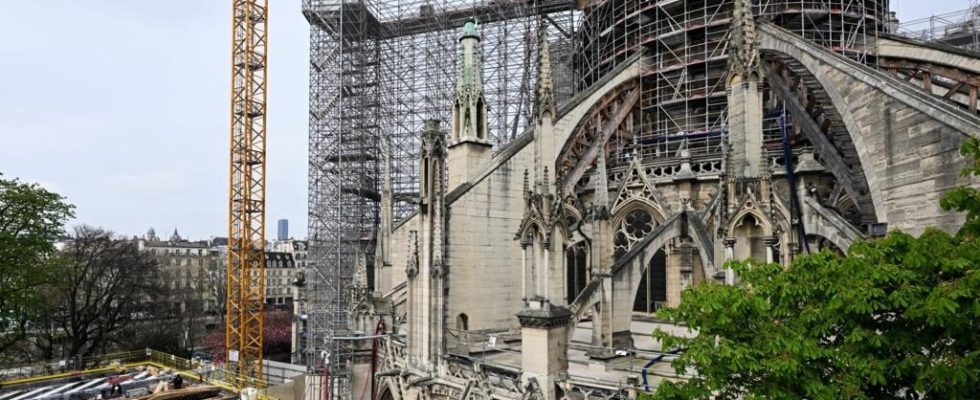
(469, 29)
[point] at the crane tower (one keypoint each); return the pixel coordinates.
(246, 202)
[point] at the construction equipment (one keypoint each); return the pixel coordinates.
(246, 202)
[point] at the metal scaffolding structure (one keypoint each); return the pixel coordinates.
(378, 69)
(958, 28)
(683, 89)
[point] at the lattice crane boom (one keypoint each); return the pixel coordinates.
(246, 202)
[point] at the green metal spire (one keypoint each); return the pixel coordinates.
(469, 30)
(469, 67)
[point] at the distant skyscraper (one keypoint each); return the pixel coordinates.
(283, 229)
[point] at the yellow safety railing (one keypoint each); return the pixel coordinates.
(206, 372)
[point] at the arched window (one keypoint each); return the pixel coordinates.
(463, 322)
(480, 107)
(576, 270)
(652, 294)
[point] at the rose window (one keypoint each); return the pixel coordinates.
(634, 227)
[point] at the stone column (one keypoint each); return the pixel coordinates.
(544, 337)
(524, 272)
(729, 255)
(771, 250)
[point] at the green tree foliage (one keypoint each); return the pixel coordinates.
(31, 219)
(967, 199)
(897, 317)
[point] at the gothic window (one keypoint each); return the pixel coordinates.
(652, 294)
(530, 275)
(576, 271)
(635, 226)
(479, 120)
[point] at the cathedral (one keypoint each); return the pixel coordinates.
(535, 270)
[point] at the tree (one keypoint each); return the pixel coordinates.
(105, 286)
(965, 198)
(276, 333)
(897, 317)
(31, 219)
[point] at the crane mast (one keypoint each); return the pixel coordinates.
(246, 202)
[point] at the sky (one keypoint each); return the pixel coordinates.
(122, 107)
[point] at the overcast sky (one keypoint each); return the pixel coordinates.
(122, 106)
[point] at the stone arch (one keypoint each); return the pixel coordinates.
(750, 231)
(764, 222)
(584, 141)
(827, 242)
(771, 43)
(631, 265)
(620, 211)
(821, 222)
(628, 273)
(531, 227)
(868, 101)
(385, 392)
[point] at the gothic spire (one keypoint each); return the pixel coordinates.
(745, 62)
(546, 88)
(469, 119)
(469, 66)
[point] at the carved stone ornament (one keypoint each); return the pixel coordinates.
(545, 318)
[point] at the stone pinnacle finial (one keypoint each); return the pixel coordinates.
(527, 185)
(744, 62)
(601, 185)
(360, 271)
(546, 87)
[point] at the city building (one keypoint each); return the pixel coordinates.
(280, 272)
(187, 267)
(504, 221)
(282, 229)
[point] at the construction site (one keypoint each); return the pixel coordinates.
(502, 193)
(620, 152)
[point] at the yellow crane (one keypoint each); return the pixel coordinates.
(246, 200)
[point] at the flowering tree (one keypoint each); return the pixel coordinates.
(277, 335)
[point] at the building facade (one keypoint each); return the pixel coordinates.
(702, 132)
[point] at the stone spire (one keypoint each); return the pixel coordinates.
(546, 88)
(469, 109)
(744, 95)
(382, 254)
(744, 62)
(544, 119)
(469, 140)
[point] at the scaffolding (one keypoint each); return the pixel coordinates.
(958, 28)
(684, 100)
(378, 70)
